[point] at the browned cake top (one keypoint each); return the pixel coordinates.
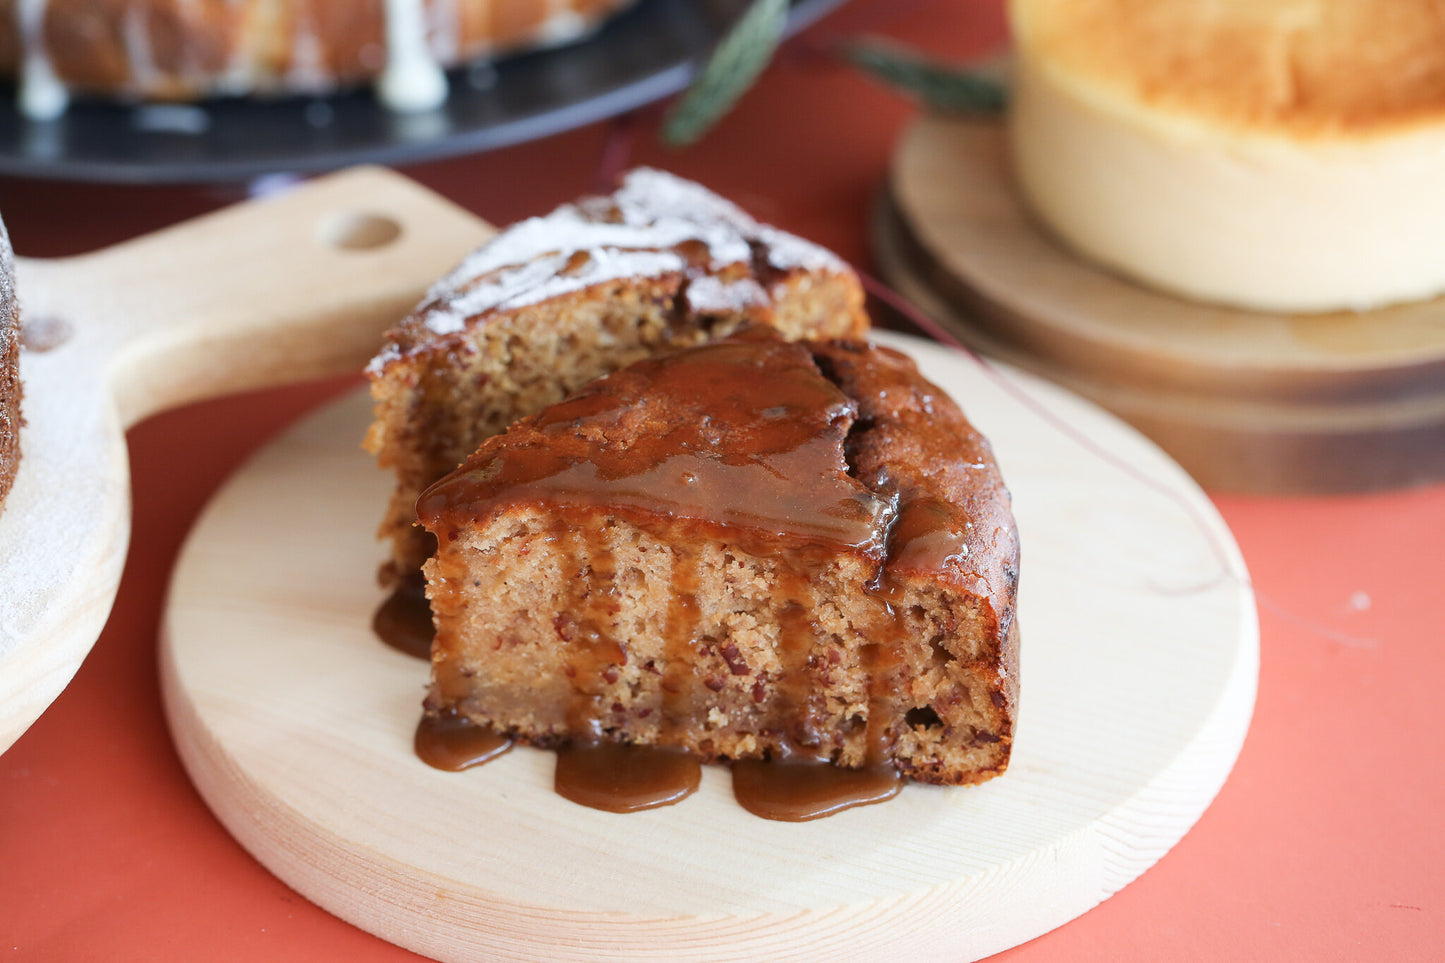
(912, 442)
(655, 225)
(9, 368)
(842, 445)
(1305, 67)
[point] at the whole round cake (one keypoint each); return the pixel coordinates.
(9, 369)
(1279, 155)
(188, 49)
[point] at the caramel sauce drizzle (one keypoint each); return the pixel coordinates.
(620, 778)
(452, 742)
(403, 621)
(795, 792)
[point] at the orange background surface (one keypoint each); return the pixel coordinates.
(1326, 843)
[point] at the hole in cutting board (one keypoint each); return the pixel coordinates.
(359, 231)
(44, 333)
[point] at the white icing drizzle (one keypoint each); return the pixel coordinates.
(445, 24)
(413, 79)
(42, 95)
(635, 232)
(307, 70)
(563, 26)
(711, 295)
(135, 32)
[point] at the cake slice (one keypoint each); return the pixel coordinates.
(553, 302)
(746, 549)
(9, 369)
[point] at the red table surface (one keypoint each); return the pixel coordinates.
(1327, 842)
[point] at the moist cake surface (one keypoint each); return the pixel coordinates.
(746, 549)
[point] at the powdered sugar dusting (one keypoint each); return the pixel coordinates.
(709, 295)
(787, 252)
(656, 224)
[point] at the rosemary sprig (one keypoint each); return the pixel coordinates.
(736, 63)
(751, 42)
(942, 88)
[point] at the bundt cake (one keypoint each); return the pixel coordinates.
(553, 302)
(187, 49)
(746, 549)
(9, 369)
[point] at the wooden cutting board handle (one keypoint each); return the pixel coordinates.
(293, 287)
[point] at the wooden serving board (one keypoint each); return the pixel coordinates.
(1139, 666)
(1244, 400)
(294, 287)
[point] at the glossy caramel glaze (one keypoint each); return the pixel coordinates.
(403, 620)
(624, 779)
(743, 435)
(795, 792)
(452, 742)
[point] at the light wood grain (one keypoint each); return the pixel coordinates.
(1139, 667)
(1244, 400)
(295, 287)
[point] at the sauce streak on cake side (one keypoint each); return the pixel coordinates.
(709, 575)
(403, 620)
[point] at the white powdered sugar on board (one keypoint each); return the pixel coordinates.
(637, 232)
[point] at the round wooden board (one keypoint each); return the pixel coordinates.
(1140, 656)
(1244, 400)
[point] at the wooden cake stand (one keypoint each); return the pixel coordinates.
(1243, 400)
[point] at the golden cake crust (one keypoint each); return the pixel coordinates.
(1299, 68)
(9, 369)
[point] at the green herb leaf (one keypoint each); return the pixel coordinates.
(942, 88)
(736, 63)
